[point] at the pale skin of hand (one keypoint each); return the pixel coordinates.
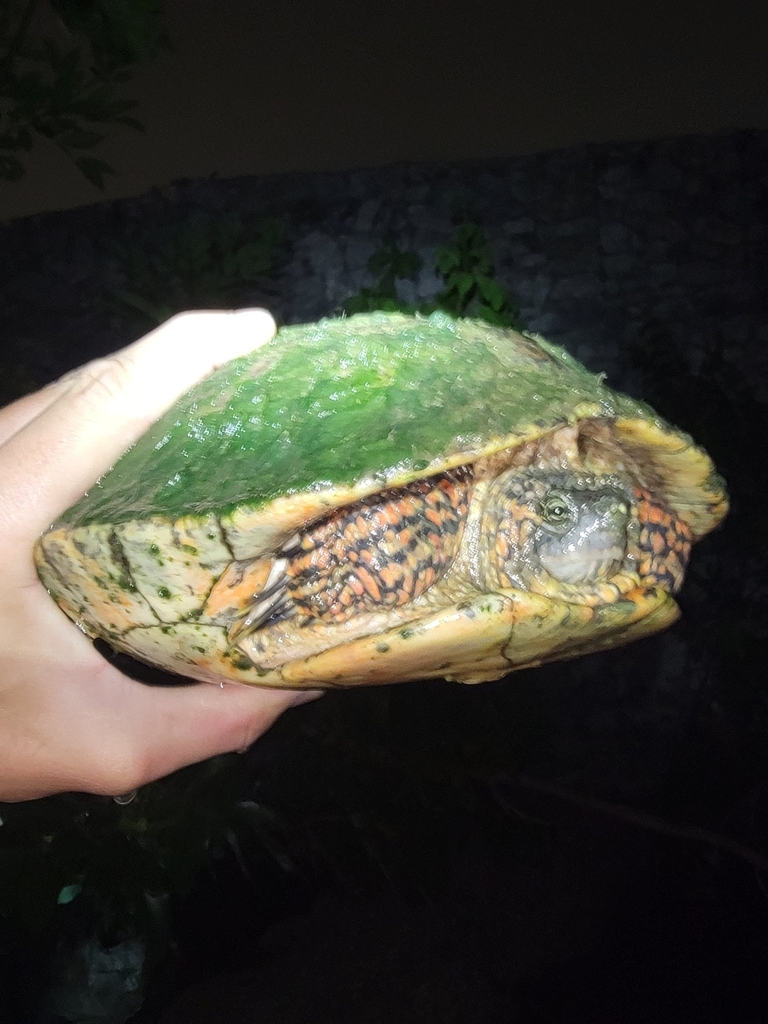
(70, 721)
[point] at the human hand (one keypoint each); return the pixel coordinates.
(68, 719)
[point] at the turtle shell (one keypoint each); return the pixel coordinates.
(168, 551)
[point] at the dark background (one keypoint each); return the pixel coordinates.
(254, 87)
(580, 842)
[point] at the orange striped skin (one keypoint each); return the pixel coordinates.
(664, 544)
(383, 552)
(389, 549)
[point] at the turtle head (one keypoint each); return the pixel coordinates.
(576, 537)
(581, 535)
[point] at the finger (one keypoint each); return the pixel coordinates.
(51, 462)
(16, 415)
(184, 726)
(136, 734)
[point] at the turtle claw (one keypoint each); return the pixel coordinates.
(292, 546)
(272, 604)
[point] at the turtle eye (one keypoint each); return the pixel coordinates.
(556, 511)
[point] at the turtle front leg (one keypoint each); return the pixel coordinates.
(361, 570)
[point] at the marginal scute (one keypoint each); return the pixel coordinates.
(173, 569)
(562, 631)
(91, 584)
(678, 470)
(188, 648)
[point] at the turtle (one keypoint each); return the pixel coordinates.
(386, 497)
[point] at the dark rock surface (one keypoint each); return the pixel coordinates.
(598, 243)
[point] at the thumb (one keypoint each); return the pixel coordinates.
(98, 411)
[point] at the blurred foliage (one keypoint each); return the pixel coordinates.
(85, 884)
(471, 288)
(390, 264)
(465, 263)
(62, 66)
(80, 849)
(212, 261)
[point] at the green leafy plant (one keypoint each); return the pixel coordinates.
(390, 264)
(465, 263)
(62, 63)
(216, 261)
(471, 288)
